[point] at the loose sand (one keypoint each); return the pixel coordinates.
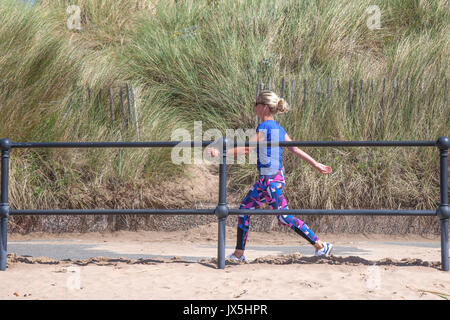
(381, 267)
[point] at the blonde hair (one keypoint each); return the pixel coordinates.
(275, 103)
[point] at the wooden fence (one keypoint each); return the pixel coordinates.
(354, 90)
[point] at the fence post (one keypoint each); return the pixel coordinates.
(292, 92)
(305, 89)
(408, 87)
(122, 111)
(328, 88)
(350, 95)
(361, 92)
(221, 210)
(443, 212)
(395, 88)
(129, 104)
(317, 89)
(258, 89)
(445, 92)
(133, 97)
(5, 146)
(111, 103)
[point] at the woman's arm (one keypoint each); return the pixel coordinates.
(236, 151)
(259, 136)
(303, 155)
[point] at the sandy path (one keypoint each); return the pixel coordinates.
(197, 281)
(385, 267)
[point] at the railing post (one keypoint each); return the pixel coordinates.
(5, 146)
(443, 212)
(222, 207)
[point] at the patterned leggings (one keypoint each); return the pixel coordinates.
(268, 190)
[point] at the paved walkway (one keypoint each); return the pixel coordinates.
(82, 249)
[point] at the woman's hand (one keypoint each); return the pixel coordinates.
(323, 168)
(213, 152)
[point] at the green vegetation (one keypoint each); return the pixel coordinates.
(209, 73)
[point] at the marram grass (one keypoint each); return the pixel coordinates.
(200, 61)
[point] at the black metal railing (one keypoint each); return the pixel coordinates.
(222, 210)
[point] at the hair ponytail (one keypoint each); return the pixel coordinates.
(282, 106)
(271, 99)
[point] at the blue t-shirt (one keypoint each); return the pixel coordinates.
(270, 159)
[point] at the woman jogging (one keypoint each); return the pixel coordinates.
(268, 188)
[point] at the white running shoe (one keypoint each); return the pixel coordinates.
(325, 251)
(234, 258)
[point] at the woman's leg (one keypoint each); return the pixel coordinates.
(252, 200)
(277, 200)
(301, 228)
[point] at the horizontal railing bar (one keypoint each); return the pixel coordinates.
(230, 211)
(150, 144)
(335, 212)
(155, 144)
(424, 143)
(111, 211)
